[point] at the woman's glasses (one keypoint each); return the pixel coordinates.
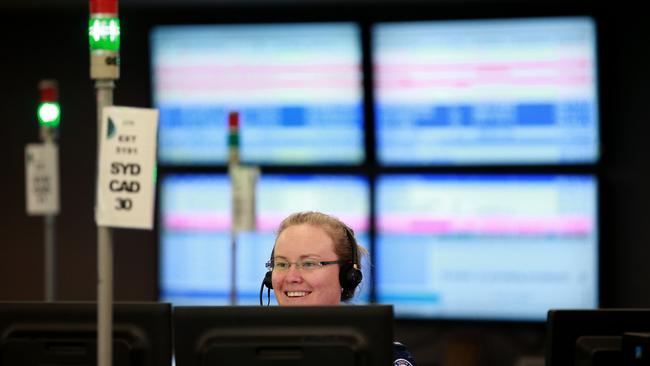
(303, 265)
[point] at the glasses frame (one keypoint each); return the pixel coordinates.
(270, 265)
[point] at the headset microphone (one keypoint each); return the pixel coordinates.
(268, 280)
(268, 283)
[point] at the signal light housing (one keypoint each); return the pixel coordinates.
(49, 110)
(104, 39)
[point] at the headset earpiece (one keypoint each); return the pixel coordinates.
(350, 275)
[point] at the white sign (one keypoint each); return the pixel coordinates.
(42, 179)
(127, 163)
(243, 181)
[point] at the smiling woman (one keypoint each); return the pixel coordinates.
(316, 261)
(306, 267)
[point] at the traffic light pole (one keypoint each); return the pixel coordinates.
(50, 258)
(49, 222)
(243, 180)
(104, 89)
(49, 116)
(104, 39)
(233, 162)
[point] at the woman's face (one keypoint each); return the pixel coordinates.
(319, 286)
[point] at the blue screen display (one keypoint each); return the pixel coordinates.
(463, 93)
(195, 241)
(486, 246)
(297, 88)
(477, 92)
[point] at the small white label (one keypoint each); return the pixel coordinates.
(127, 162)
(104, 65)
(42, 179)
(243, 180)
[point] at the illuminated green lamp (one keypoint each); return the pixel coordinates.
(104, 26)
(49, 111)
(49, 114)
(104, 34)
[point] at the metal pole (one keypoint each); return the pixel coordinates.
(49, 241)
(105, 296)
(233, 268)
(104, 250)
(233, 162)
(50, 259)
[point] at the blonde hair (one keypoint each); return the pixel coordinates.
(341, 234)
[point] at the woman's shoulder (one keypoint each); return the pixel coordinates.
(402, 356)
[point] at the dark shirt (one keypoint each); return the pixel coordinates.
(402, 356)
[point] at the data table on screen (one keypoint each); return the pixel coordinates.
(196, 240)
(491, 91)
(297, 88)
(486, 246)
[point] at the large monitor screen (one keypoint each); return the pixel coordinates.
(498, 91)
(65, 333)
(297, 88)
(195, 239)
(288, 336)
(498, 247)
(598, 337)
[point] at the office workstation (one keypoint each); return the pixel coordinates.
(489, 156)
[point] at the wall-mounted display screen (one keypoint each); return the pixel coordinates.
(505, 247)
(297, 87)
(478, 92)
(195, 240)
(517, 95)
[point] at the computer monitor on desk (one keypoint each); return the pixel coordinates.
(603, 337)
(65, 333)
(352, 335)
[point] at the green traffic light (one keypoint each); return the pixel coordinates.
(104, 34)
(49, 114)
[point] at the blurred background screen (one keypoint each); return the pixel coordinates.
(486, 246)
(195, 230)
(497, 91)
(297, 87)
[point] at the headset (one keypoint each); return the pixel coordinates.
(350, 274)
